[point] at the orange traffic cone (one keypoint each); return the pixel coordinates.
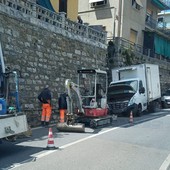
(50, 144)
(131, 117)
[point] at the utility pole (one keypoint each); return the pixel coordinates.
(119, 18)
(114, 23)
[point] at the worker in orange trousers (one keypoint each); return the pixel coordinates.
(45, 98)
(62, 106)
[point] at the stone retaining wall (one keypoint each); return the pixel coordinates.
(44, 57)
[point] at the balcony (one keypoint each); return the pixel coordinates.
(138, 49)
(157, 26)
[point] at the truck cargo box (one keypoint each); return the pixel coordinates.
(148, 73)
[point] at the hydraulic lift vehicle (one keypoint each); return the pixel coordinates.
(87, 101)
(12, 121)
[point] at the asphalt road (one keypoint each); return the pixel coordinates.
(122, 146)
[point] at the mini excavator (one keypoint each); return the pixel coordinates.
(86, 101)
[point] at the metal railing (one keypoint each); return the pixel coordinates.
(159, 26)
(56, 19)
(136, 48)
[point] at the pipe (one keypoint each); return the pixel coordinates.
(77, 127)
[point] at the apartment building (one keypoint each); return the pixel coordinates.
(156, 38)
(120, 18)
(164, 19)
(132, 20)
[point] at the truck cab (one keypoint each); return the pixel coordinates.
(126, 96)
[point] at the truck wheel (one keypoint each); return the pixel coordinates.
(154, 106)
(164, 105)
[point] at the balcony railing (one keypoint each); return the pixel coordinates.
(159, 26)
(137, 49)
(151, 22)
(167, 2)
(27, 9)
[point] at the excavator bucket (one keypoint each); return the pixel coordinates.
(76, 127)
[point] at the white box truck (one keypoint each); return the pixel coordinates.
(134, 88)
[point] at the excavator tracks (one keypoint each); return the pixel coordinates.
(97, 122)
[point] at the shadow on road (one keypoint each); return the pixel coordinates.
(10, 154)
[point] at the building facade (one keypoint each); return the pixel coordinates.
(156, 38)
(164, 19)
(134, 21)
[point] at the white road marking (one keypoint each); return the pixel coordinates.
(73, 143)
(40, 155)
(166, 164)
(89, 137)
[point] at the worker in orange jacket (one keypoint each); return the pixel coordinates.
(45, 98)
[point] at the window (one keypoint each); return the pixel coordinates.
(133, 36)
(137, 4)
(147, 18)
(140, 84)
(149, 15)
(96, 3)
(160, 19)
(161, 23)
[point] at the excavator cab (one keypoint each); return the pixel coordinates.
(93, 87)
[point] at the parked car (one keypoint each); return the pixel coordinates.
(165, 99)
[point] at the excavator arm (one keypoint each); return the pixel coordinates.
(70, 125)
(72, 86)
